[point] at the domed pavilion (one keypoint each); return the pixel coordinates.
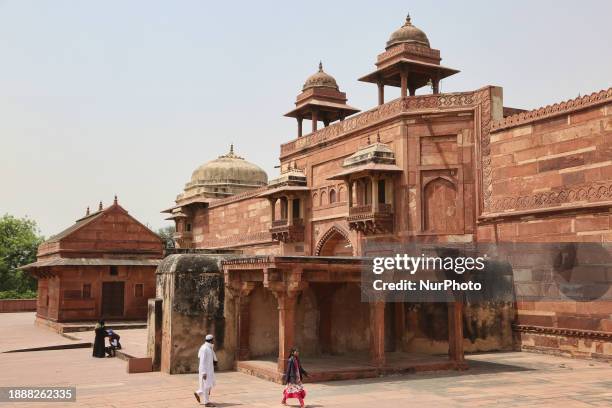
(408, 62)
(320, 100)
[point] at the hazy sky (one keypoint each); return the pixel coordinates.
(129, 97)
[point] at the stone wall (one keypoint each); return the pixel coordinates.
(194, 304)
(66, 289)
(552, 182)
(17, 305)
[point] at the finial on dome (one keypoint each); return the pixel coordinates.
(408, 20)
(100, 206)
(87, 211)
(320, 66)
(231, 154)
(115, 200)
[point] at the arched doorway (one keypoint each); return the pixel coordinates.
(334, 242)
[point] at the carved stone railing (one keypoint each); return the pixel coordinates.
(411, 104)
(360, 209)
(367, 209)
(556, 109)
(282, 231)
(279, 223)
(364, 219)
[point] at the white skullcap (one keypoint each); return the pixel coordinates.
(209, 337)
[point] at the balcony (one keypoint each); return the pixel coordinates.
(365, 219)
(284, 232)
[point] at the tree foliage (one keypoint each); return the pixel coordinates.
(19, 242)
(167, 235)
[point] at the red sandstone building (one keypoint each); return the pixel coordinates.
(103, 266)
(435, 167)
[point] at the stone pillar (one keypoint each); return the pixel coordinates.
(377, 334)
(286, 326)
(374, 181)
(381, 92)
(244, 319)
(350, 193)
(315, 119)
(272, 209)
(404, 82)
(436, 86)
(299, 121)
(455, 333)
(290, 211)
(412, 90)
(154, 325)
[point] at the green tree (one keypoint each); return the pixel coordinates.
(167, 235)
(19, 241)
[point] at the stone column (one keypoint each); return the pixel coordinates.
(299, 121)
(374, 181)
(315, 119)
(286, 326)
(436, 86)
(290, 211)
(377, 333)
(244, 319)
(412, 90)
(272, 209)
(455, 333)
(404, 82)
(381, 92)
(350, 193)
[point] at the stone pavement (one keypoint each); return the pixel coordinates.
(505, 379)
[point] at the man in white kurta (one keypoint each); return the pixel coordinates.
(206, 371)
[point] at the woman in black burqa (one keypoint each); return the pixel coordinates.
(293, 379)
(101, 334)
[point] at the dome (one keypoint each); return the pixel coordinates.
(320, 79)
(408, 34)
(229, 169)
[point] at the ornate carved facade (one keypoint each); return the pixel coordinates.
(434, 167)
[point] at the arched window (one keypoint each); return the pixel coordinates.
(315, 200)
(323, 198)
(341, 194)
(332, 196)
(440, 206)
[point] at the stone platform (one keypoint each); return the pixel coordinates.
(351, 367)
(73, 327)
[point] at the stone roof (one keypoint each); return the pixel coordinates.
(320, 79)
(408, 33)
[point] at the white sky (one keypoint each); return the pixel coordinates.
(129, 97)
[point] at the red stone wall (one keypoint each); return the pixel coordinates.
(552, 182)
(17, 305)
(66, 302)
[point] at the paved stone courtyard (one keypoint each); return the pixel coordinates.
(503, 379)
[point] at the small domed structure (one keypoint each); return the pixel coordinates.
(320, 79)
(408, 34)
(320, 99)
(227, 175)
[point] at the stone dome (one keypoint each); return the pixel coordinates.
(320, 79)
(408, 34)
(229, 169)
